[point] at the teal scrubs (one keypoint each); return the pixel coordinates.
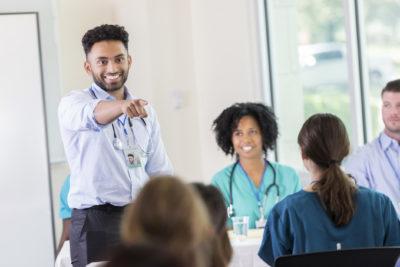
(299, 224)
(244, 200)
(65, 211)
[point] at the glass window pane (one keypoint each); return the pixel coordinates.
(382, 31)
(321, 73)
(322, 58)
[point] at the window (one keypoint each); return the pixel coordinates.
(310, 67)
(308, 42)
(382, 42)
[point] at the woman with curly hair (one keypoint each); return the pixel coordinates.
(252, 185)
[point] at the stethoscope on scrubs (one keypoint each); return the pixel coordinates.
(260, 223)
(117, 143)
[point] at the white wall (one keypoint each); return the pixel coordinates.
(163, 65)
(226, 67)
(26, 224)
(47, 22)
(73, 19)
(51, 85)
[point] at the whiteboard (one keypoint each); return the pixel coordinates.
(26, 221)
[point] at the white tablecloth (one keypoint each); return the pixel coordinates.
(64, 257)
(245, 253)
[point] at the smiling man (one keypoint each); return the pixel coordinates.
(377, 164)
(101, 126)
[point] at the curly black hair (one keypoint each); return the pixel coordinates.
(104, 32)
(226, 123)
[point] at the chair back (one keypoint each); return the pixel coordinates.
(363, 257)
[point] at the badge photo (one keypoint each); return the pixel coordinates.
(132, 158)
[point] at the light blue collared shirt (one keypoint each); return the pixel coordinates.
(372, 169)
(99, 172)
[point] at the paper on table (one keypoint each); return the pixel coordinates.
(252, 233)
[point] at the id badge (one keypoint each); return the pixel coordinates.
(132, 158)
(260, 224)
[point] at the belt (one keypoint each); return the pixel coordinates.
(108, 207)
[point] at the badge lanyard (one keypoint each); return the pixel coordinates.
(117, 142)
(256, 194)
(122, 123)
(388, 159)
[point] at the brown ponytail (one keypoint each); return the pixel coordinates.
(323, 139)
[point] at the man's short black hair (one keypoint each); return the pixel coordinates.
(104, 32)
(227, 122)
(131, 155)
(392, 86)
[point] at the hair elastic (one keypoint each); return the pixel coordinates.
(333, 162)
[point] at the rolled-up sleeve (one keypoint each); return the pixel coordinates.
(76, 112)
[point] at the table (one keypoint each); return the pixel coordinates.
(64, 257)
(245, 252)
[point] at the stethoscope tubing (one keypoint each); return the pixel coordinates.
(273, 184)
(130, 126)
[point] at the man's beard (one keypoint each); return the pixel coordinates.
(391, 129)
(103, 86)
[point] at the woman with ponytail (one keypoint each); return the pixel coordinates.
(332, 212)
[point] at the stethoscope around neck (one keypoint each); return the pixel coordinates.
(231, 212)
(117, 143)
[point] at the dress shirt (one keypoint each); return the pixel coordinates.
(99, 172)
(372, 169)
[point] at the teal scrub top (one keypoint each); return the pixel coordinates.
(65, 211)
(244, 200)
(299, 224)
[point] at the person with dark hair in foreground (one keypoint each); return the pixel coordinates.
(332, 212)
(171, 214)
(212, 197)
(252, 185)
(100, 126)
(376, 165)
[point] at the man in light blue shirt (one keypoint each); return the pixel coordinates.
(377, 164)
(101, 126)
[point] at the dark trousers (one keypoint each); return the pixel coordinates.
(94, 231)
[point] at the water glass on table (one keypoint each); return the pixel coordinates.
(240, 227)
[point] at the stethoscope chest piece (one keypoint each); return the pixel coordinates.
(117, 144)
(230, 211)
